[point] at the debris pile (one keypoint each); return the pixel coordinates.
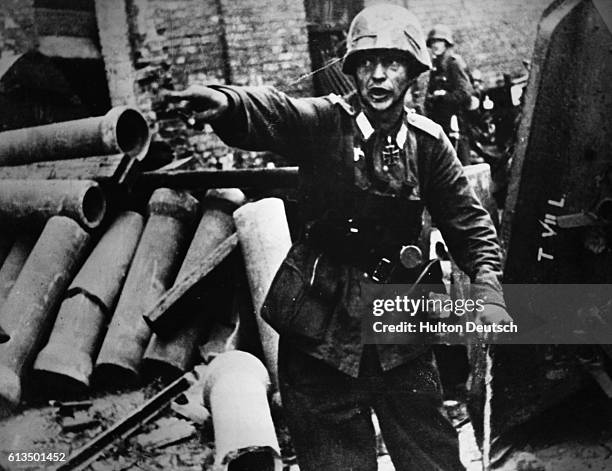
(108, 283)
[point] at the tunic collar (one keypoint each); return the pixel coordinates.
(366, 129)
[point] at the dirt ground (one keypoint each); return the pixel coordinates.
(574, 437)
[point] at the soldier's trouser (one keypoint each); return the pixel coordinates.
(329, 414)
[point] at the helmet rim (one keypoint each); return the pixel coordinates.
(387, 27)
(349, 63)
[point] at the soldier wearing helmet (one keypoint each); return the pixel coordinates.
(449, 92)
(368, 168)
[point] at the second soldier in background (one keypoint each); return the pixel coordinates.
(450, 91)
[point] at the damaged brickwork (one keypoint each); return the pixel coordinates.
(150, 44)
(179, 43)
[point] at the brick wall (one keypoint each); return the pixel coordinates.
(175, 44)
(493, 36)
(267, 43)
(181, 42)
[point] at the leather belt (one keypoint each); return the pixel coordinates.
(349, 242)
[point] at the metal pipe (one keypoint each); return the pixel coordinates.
(122, 130)
(235, 391)
(28, 311)
(265, 240)
(175, 354)
(160, 251)
(66, 362)
(35, 201)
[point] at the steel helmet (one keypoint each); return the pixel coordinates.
(386, 27)
(441, 33)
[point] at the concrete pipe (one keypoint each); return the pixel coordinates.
(14, 262)
(35, 201)
(176, 353)
(5, 246)
(28, 311)
(222, 338)
(122, 130)
(6, 242)
(235, 392)
(66, 362)
(157, 260)
(265, 240)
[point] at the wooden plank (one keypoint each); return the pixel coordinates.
(105, 167)
(85, 455)
(160, 316)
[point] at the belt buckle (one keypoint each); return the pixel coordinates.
(382, 270)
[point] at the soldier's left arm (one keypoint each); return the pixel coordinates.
(466, 226)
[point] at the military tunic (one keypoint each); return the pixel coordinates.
(449, 74)
(343, 177)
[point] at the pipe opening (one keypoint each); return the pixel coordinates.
(604, 210)
(110, 377)
(93, 207)
(132, 132)
(4, 337)
(56, 385)
(261, 460)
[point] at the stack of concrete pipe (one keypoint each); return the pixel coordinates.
(77, 279)
(47, 227)
(122, 130)
(28, 311)
(165, 239)
(172, 353)
(76, 285)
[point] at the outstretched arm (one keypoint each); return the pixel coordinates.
(261, 118)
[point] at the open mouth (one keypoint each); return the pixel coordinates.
(378, 94)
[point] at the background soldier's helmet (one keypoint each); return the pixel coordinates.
(387, 27)
(440, 33)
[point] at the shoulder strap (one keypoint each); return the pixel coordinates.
(424, 124)
(342, 103)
